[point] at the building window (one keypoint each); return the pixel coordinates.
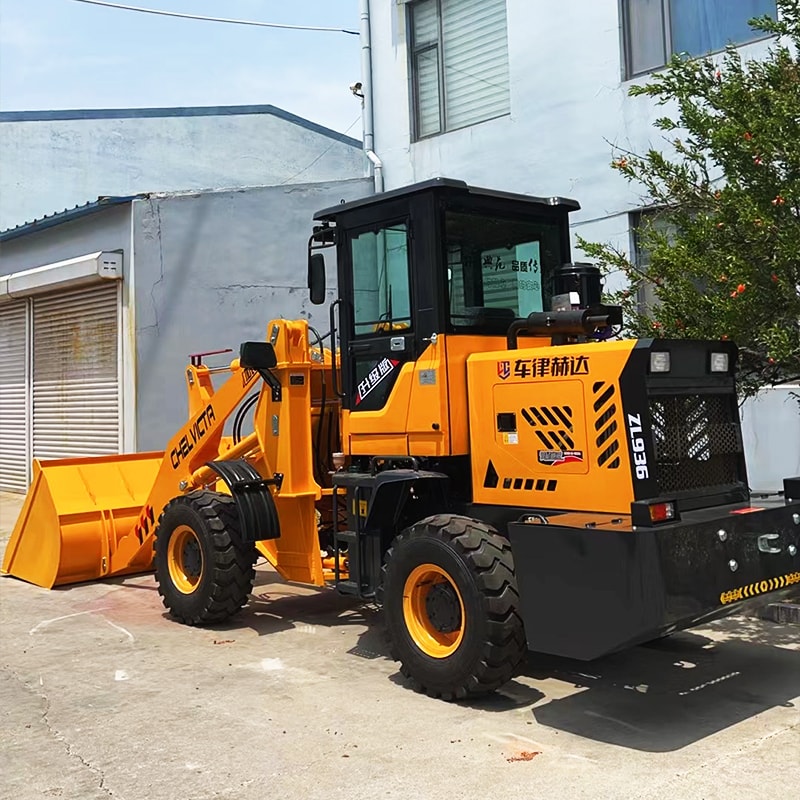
(459, 63)
(654, 29)
(641, 221)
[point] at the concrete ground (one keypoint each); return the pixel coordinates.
(101, 695)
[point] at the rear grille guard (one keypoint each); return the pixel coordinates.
(697, 442)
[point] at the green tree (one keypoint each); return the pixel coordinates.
(724, 235)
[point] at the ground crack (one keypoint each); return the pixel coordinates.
(59, 737)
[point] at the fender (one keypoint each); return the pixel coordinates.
(258, 516)
(390, 491)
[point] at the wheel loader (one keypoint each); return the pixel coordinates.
(473, 448)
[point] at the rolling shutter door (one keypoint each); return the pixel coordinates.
(76, 408)
(13, 428)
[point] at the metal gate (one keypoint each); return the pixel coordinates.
(76, 392)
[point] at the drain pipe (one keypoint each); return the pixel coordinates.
(366, 102)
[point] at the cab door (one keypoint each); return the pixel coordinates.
(377, 336)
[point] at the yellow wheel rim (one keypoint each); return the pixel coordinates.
(433, 610)
(185, 559)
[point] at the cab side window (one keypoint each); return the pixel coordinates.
(381, 280)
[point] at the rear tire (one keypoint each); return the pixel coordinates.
(451, 607)
(204, 573)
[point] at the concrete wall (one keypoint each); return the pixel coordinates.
(56, 160)
(210, 271)
(201, 272)
(105, 229)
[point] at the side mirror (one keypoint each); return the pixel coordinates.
(316, 278)
(257, 355)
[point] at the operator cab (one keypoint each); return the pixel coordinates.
(438, 257)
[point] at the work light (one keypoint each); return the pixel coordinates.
(659, 361)
(719, 362)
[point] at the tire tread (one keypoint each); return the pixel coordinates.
(488, 556)
(231, 563)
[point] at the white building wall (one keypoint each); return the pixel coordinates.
(569, 105)
(771, 430)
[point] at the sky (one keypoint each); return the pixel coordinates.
(62, 54)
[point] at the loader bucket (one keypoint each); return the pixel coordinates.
(74, 515)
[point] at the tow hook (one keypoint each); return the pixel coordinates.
(764, 543)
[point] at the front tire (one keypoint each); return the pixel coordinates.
(451, 607)
(204, 573)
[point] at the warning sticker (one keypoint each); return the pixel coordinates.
(759, 587)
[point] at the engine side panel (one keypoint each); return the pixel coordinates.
(547, 428)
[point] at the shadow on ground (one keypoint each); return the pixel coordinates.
(658, 697)
(276, 606)
(671, 693)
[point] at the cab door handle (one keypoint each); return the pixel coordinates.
(334, 367)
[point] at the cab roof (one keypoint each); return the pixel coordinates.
(449, 187)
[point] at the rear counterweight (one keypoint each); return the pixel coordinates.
(589, 591)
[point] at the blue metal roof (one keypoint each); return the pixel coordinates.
(189, 111)
(67, 215)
